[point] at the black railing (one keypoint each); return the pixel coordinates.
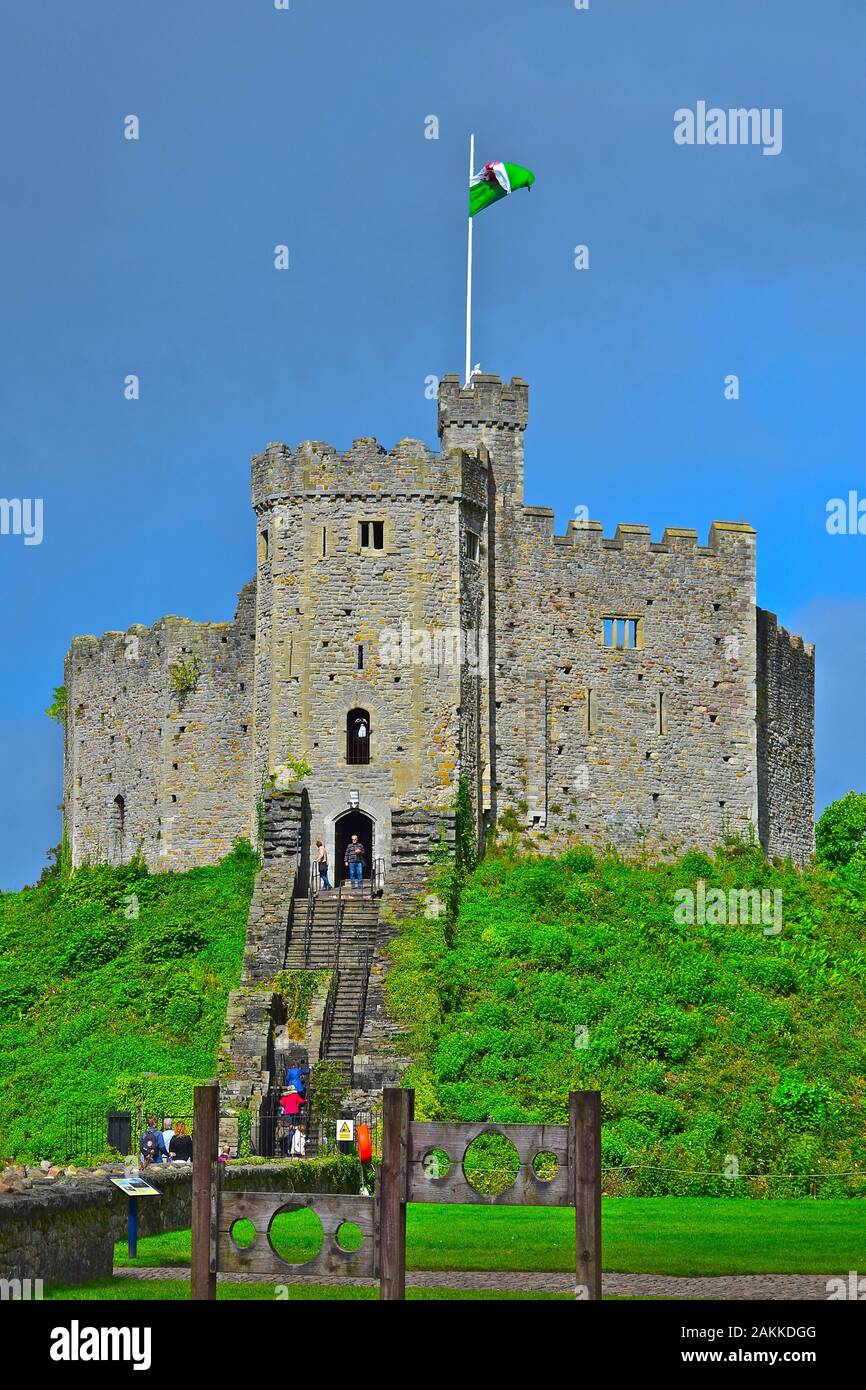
(268, 1135)
(338, 928)
(96, 1135)
(308, 925)
(377, 878)
(325, 1134)
(366, 960)
(328, 1016)
(85, 1135)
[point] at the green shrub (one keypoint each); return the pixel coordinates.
(841, 830)
(182, 1014)
(578, 860)
(88, 949)
(172, 942)
(772, 974)
(802, 1104)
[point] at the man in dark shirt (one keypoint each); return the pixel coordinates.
(354, 860)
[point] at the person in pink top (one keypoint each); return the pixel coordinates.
(291, 1103)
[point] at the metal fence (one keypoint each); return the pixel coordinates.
(92, 1135)
(271, 1132)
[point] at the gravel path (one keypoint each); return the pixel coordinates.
(738, 1287)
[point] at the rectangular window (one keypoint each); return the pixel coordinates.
(473, 546)
(263, 547)
(623, 633)
(360, 656)
(372, 535)
(591, 712)
(324, 540)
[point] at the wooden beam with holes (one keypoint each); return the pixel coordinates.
(432, 1180)
(260, 1258)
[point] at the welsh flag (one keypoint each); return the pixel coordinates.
(496, 181)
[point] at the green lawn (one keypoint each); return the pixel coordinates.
(177, 1289)
(642, 1235)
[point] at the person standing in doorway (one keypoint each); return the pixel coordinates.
(322, 864)
(354, 861)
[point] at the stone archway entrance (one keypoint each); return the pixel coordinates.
(353, 823)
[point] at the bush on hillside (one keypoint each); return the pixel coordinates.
(841, 830)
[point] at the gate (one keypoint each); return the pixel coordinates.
(405, 1175)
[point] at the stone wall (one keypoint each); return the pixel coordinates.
(786, 741)
(653, 744)
(284, 815)
(147, 769)
(61, 1236)
(63, 1232)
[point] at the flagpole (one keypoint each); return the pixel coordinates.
(469, 273)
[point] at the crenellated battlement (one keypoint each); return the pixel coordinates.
(781, 634)
(366, 468)
(487, 401)
(724, 537)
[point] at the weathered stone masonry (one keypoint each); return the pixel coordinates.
(628, 691)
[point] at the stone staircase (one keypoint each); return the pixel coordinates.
(342, 937)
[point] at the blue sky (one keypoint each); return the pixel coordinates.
(306, 127)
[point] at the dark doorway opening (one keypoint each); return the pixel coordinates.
(353, 823)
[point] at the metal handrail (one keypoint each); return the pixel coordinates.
(377, 877)
(367, 959)
(308, 926)
(338, 927)
(328, 1015)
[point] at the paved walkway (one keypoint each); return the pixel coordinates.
(737, 1287)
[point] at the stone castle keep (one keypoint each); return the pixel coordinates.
(412, 622)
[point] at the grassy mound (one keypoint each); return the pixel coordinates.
(111, 973)
(716, 1047)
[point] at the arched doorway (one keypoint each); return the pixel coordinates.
(352, 823)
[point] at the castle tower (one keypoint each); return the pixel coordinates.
(366, 581)
(488, 420)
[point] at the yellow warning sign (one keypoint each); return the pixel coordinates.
(345, 1131)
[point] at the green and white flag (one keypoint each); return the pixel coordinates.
(496, 181)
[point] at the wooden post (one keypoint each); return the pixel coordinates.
(584, 1146)
(205, 1180)
(398, 1110)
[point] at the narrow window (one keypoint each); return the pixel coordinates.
(118, 824)
(372, 535)
(591, 712)
(263, 547)
(324, 540)
(662, 713)
(473, 546)
(360, 656)
(357, 736)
